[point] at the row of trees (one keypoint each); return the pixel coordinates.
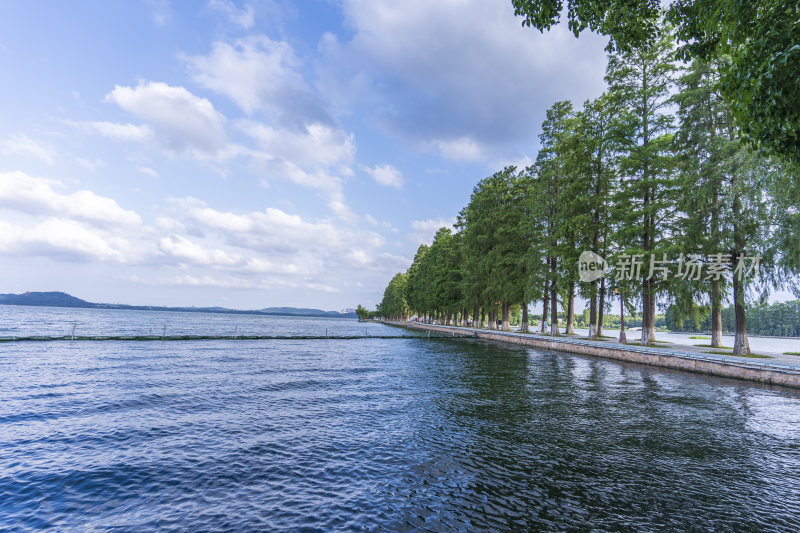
(655, 176)
(779, 319)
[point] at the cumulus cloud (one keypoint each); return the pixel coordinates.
(182, 123)
(386, 175)
(459, 75)
(315, 156)
(313, 146)
(244, 17)
(463, 148)
(35, 196)
(425, 230)
(61, 237)
(121, 132)
(183, 248)
(258, 73)
(25, 146)
(297, 140)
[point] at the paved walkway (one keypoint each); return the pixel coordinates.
(776, 360)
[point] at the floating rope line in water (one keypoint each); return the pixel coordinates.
(78, 338)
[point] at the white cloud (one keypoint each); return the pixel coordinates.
(161, 11)
(313, 146)
(35, 196)
(425, 230)
(60, 237)
(437, 73)
(183, 248)
(120, 132)
(244, 17)
(463, 148)
(23, 145)
(147, 170)
(386, 175)
(182, 123)
(258, 73)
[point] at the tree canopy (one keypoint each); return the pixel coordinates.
(758, 39)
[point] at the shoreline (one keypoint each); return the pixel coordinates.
(771, 373)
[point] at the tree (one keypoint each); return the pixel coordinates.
(362, 312)
(394, 306)
(414, 293)
(705, 151)
(551, 164)
(639, 83)
(761, 38)
(494, 245)
(591, 164)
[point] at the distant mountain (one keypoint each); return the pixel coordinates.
(52, 299)
(62, 299)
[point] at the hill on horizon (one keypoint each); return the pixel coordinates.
(62, 299)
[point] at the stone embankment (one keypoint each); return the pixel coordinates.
(773, 373)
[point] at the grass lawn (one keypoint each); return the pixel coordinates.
(791, 353)
(709, 346)
(696, 337)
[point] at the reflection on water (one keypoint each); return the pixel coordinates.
(384, 435)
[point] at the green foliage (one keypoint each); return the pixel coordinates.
(394, 304)
(494, 243)
(759, 38)
(643, 169)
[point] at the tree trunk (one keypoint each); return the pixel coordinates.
(483, 317)
(506, 325)
(593, 312)
(648, 313)
(741, 346)
(601, 306)
(716, 316)
(553, 305)
(545, 304)
(493, 317)
(524, 317)
(476, 317)
(571, 310)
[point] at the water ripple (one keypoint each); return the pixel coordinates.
(384, 435)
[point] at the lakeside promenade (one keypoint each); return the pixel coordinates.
(779, 369)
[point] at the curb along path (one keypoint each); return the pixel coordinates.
(773, 373)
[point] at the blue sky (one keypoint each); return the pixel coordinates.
(251, 154)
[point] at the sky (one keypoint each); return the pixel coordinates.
(260, 153)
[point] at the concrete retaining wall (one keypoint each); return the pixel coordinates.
(677, 360)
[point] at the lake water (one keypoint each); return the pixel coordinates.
(374, 434)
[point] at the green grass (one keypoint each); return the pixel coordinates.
(703, 338)
(752, 355)
(791, 353)
(638, 343)
(709, 346)
(606, 337)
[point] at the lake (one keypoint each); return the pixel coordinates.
(373, 434)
